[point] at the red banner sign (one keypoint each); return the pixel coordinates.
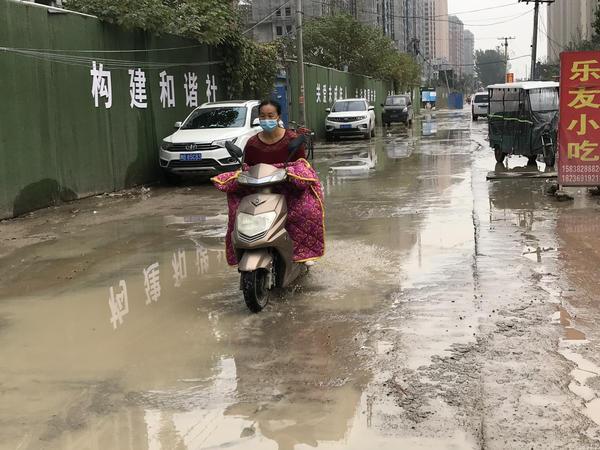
(579, 124)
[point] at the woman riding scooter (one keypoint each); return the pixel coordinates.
(270, 146)
(276, 214)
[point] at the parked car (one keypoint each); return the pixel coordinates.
(397, 109)
(198, 145)
(479, 105)
(350, 117)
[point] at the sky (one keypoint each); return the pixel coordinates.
(484, 25)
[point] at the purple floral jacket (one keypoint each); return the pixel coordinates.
(306, 213)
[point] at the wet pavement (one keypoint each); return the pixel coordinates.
(449, 312)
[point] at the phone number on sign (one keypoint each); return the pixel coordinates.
(572, 168)
(592, 179)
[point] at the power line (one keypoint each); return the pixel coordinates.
(433, 18)
(555, 45)
(86, 61)
(478, 10)
(143, 50)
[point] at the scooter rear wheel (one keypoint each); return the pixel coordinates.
(255, 289)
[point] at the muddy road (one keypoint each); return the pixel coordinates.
(449, 312)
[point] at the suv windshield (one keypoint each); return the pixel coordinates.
(351, 105)
(218, 117)
(395, 101)
(482, 98)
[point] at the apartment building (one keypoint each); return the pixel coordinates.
(568, 21)
(400, 20)
(468, 53)
(456, 38)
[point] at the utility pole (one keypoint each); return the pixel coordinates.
(505, 45)
(536, 12)
(407, 26)
(300, 45)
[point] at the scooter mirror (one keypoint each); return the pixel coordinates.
(233, 150)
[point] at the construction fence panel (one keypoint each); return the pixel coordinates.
(68, 126)
(323, 86)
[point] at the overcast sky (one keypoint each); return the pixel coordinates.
(521, 28)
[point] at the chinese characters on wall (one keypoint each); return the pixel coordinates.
(331, 93)
(102, 88)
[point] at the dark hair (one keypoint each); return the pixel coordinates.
(274, 103)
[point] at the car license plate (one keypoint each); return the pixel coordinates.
(346, 125)
(190, 157)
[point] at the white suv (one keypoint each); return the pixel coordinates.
(198, 145)
(352, 116)
(479, 105)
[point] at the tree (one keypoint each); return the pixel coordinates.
(208, 21)
(340, 41)
(547, 71)
(580, 44)
(250, 66)
(489, 65)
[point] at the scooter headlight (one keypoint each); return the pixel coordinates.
(251, 225)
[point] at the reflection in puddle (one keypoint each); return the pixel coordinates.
(535, 254)
(200, 427)
(119, 297)
(428, 126)
(398, 149)
(357, 165)
(563, 317)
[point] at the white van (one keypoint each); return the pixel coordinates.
(479, 105)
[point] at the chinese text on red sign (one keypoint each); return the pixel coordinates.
(579, 126)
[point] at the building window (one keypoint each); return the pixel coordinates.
(278, 13)
(279, 30)
(288, 29)
(288, 11)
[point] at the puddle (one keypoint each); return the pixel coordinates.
(384, 347)
(162, 353)
(195, 219)
(570, 333)
(535, 254)
(584, 371)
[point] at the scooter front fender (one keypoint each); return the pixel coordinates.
(255, 259)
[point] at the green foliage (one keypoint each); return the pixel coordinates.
(250, 67)
(547, 71)
(580, 44)
(596, 24)
(340, 41)
(208, 21)
(489, 65)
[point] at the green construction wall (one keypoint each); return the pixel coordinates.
(350, 85)
(54, 143)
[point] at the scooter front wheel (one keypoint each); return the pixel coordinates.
(256, 290)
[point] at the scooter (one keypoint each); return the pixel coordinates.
(262, 245)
